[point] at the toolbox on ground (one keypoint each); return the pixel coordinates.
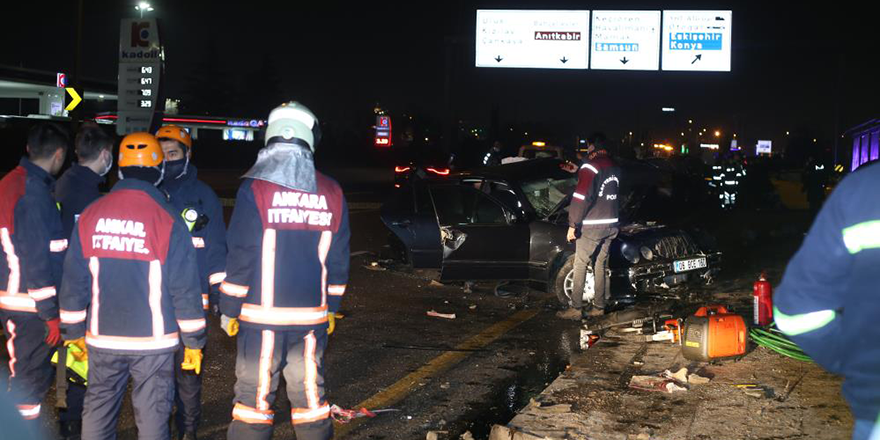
(713, 333)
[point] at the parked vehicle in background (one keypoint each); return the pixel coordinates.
(420, 165)
(540, 150)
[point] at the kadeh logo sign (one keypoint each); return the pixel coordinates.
(140, 34)
(140, 42)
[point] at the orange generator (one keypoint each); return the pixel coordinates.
(713, 333)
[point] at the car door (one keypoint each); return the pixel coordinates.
(409, 215)
(481, 240)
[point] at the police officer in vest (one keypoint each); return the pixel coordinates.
(592, 217)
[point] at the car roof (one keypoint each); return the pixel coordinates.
(636, 172)
(519, 171)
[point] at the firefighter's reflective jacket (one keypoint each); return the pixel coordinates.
(33, 243)
(202, 212)
(828, 302)
(130, 276)
(288, 256)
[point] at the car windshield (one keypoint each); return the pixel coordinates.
(545, 194)
(539, 153)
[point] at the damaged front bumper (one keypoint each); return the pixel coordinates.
(661, 275)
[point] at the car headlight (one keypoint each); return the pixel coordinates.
(647, 253)
(630, 253)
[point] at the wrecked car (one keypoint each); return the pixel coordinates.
(509, 222)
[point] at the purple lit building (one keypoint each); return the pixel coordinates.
(866, 143)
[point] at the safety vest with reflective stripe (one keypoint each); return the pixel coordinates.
(594, 203)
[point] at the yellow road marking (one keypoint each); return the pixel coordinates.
(400, 389)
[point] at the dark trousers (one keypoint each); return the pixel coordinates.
(152, 394)
(187, 396)
(262, 357)
(30, 369)
(76, 395)
(592, 250)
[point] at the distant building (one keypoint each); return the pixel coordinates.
(866, 143)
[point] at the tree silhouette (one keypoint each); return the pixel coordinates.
(209, 86)
(262, 89)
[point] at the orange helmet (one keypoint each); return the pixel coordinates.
(140, 150)
(176, 133)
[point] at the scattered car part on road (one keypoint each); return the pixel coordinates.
(435, 314)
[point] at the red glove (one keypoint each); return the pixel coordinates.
(54, 335)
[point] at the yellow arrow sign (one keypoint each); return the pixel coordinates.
(75, 99)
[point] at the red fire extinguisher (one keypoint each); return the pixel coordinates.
(762, 293)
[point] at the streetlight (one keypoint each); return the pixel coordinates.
(690, 121)
(787, 133)
(717, 133)
(143, 6)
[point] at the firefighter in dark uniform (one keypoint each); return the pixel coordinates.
(76, 189)
(493, 156)
(32, 246)
(131, 293)
(202, 212)
(79, 185)
(286, 274)
(828, 301)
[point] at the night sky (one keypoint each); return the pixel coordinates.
(793, 64)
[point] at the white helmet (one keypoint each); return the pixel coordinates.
(293, 122)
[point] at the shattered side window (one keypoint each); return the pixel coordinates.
(461, 205)
(453, 207)
(545, 194)
(502, 192)
(488, 212)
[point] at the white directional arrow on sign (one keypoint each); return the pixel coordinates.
(697, 40)
(625, 40)
(532, 38)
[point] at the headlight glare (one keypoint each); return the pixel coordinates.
(647, 253)
(630, 253)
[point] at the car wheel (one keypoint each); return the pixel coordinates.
(564, 283)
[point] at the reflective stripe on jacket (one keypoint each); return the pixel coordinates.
(594, 203)
(130, 276)
(829, 298)
(32, 243)
(288, 256)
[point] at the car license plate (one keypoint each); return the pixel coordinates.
(692, 264)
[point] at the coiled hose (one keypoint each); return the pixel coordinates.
(773, 339)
